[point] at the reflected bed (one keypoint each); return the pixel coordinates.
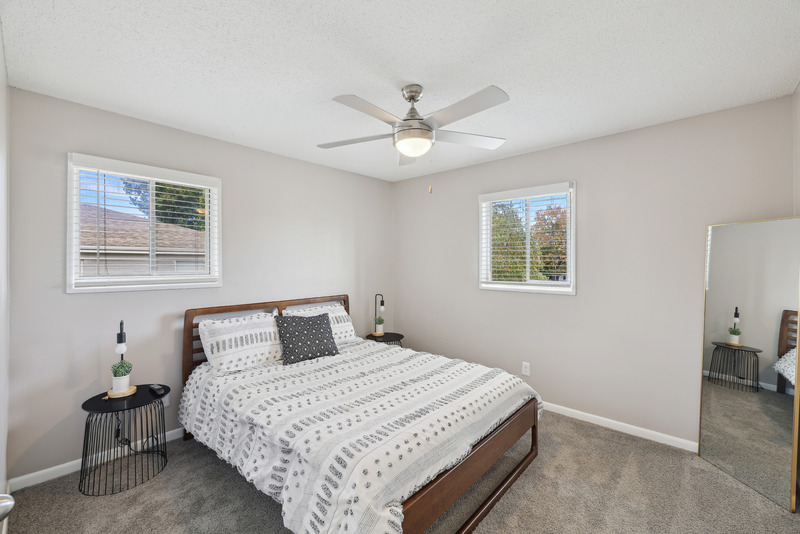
(787, 350)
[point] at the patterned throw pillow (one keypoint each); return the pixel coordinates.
(341, 323)
(305, 338)
(786, 365)
(240, 343)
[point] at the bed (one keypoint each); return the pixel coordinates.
(787, 349)
(245, 429)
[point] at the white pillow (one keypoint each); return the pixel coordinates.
(341, 323)
(240, 343)
(786, 365)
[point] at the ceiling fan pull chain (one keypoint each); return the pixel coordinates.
(430, 182)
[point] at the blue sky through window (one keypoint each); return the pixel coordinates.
(109, 190)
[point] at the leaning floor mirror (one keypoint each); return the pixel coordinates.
(749, 412)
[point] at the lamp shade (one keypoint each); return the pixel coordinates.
(413, 142)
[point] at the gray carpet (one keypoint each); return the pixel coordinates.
(586, 479)
(749, 436)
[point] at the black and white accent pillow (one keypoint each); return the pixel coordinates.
(305, 338)
(341, 323)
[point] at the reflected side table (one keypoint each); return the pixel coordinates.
(124, 443)
(390, 338)
(734, 367)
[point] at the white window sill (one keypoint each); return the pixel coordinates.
(107, 286)
(529, 288)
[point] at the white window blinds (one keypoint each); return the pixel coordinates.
(527, 239)
(133, 227)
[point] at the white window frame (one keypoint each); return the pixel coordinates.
(85, 284)
(567, 287)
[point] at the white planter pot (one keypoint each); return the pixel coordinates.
(733, 340)
(379, 329)
(121, 384)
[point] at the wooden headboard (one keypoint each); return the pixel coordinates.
(192, 349)
(787, 340)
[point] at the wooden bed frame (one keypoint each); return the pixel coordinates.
(787, 340)
(423, 508)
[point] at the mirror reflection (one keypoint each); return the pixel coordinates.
(747, 413)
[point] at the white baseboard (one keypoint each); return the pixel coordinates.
(44, 475)
(56, 471)
(652, 435)
(764, 385)
(773, 387)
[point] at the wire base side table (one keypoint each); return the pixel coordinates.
(124, 442)
(734, 367)
(390, 338)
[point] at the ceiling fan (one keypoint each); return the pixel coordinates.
(414, 135)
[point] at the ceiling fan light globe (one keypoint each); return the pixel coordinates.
(413, 142)
(413, 147)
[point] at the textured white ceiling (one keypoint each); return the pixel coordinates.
(262, 73)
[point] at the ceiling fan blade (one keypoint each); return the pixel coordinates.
(354, 141)
(359, 104)
(402, 159)
(468, 139)
(480, 101)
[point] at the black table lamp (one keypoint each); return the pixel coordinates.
(383, 307)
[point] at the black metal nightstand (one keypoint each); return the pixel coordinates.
(390, 338)
(125, 442)
(734, 367)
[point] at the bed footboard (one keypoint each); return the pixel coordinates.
(423, 508)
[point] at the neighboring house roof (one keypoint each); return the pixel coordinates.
(120, 230)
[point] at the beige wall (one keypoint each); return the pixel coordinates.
(4, 297)
(290, 229)
(628, 346)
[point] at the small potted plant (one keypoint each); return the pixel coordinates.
(733, 336)
(122, 376)
(379, 326)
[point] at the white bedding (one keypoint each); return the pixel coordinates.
(342, 441)
(786, 365)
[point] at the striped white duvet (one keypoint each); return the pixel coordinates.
(342, 441)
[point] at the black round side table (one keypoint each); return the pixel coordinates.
(734, 367)
(390, 338)
(125, 442)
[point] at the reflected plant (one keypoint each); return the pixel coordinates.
(122, 368)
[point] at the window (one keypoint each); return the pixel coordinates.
(132, 227)
(527, 239)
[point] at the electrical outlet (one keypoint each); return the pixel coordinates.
(526, 369)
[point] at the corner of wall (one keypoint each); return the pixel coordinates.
(4, 298)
